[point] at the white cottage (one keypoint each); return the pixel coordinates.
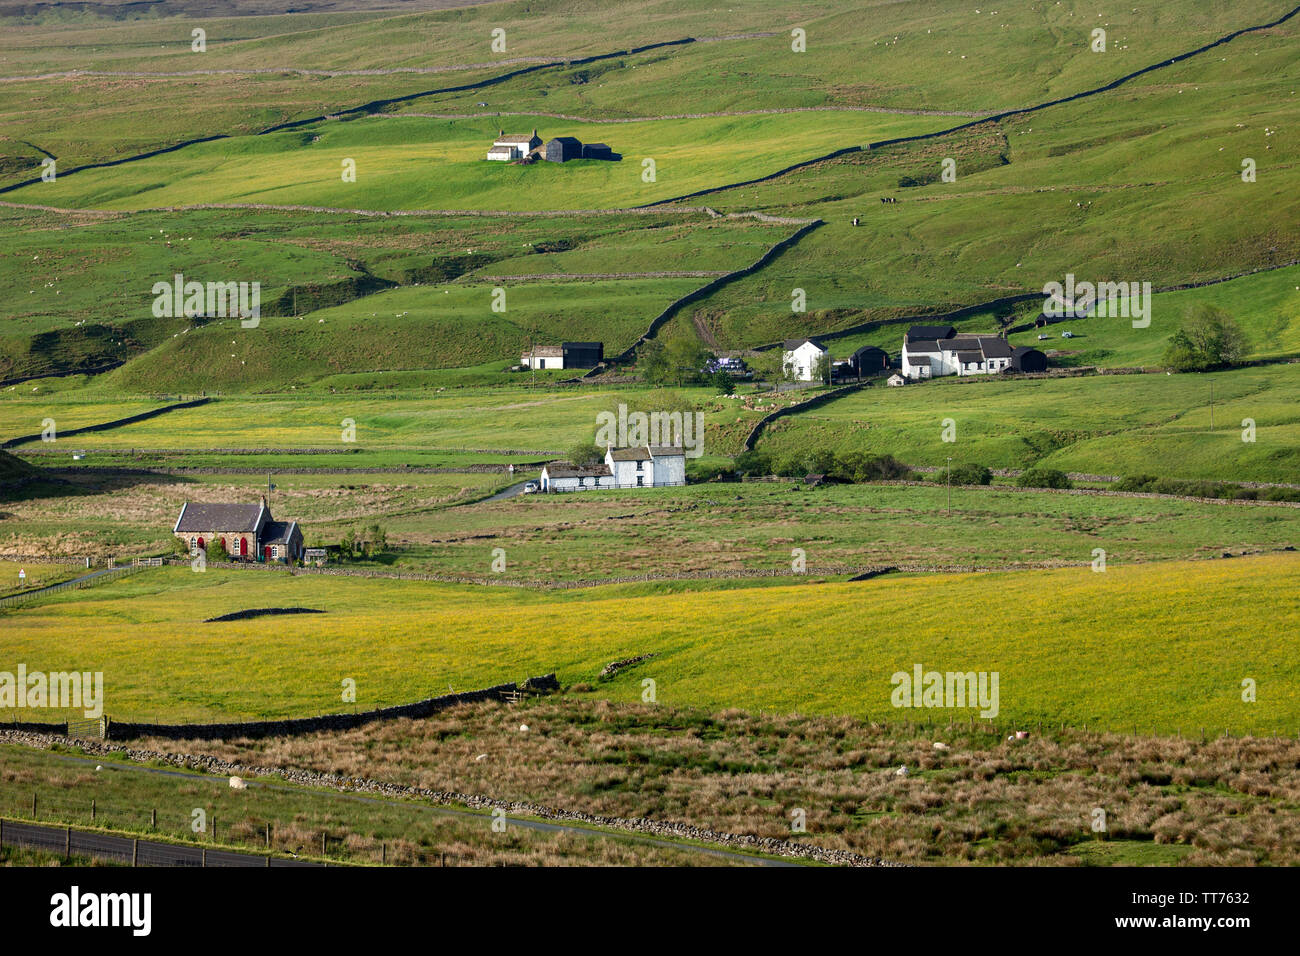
(511, 146)
(647, 466)
(801, 358)
(562, 476)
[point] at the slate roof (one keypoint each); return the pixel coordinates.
(923, 345)
(278, 532)
(791, 344)
(645, 453)
(196, 516)
(524, 138)
(929, 332)
(562, 469)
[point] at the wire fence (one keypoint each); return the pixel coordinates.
(299, 839)
(100, 577)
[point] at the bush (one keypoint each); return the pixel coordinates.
(1044, 478)
(753, 463)
(971, 475)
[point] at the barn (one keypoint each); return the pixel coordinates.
(597, 151)
(869, 360)
(582, 354)
(1026, 359)
(561, 149)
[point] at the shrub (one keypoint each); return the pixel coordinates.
(753, 463)
(971, 475)
(1044, 478)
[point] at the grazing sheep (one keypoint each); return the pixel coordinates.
(901, 772)
(940, 745)
(237, 783)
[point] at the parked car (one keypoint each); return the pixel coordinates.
(531, 487)
(1043, 335)
(1067, 335)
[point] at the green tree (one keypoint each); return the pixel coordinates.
(1209, 338)
(1044, 478)
(652, 362)
(585, 454)
(723, 382)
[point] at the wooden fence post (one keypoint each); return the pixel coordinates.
(33, 805)
(67, 843)
(135, 852)
(153, 818)
(268, 838)
(383, 854)
(322, 843)
(92, 809)
(203, 861)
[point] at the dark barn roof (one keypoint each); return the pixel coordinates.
(1028, 359)
(930, 332)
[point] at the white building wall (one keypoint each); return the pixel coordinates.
(803, 361)
(670, 470)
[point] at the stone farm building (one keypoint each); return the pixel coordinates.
(930, 351)
(248, 532)
(644, 466)
(561, 149)
(565, 355)
(511, 146)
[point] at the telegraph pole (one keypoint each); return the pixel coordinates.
(950, 486)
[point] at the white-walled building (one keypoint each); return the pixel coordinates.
(931, 351)
(511, 146)
(801, 357)
(562, 476)
(646, 466)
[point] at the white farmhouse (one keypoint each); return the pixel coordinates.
(645, 466)
(511, 146)
(930, 351)
(801, 357)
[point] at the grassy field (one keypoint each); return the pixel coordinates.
(984, 800)
(1158, 647)
(716, 529)
(399, 832)
(1109, 425)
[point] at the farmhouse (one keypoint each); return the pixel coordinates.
(565, 355)
(644, 466)
(508, 147)
(247, 532)
(930, 351)
(802, 358)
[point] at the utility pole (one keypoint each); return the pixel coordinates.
(950, 486)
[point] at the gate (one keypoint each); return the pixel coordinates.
(91, 727)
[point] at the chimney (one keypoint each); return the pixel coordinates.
(535, 136)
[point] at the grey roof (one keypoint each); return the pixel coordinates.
(870, 348)
(562, 469)
(791, 344)
(667, 451)
(990, 345)
(929, 332)
(567, 140)
(517, 137)
(547, 351)
(278, 532)
(196, 516)
(922, 345)
(967, 357)
(639, 453)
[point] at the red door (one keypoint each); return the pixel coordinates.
(243, 547)
(266, 552)
(201, 547)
